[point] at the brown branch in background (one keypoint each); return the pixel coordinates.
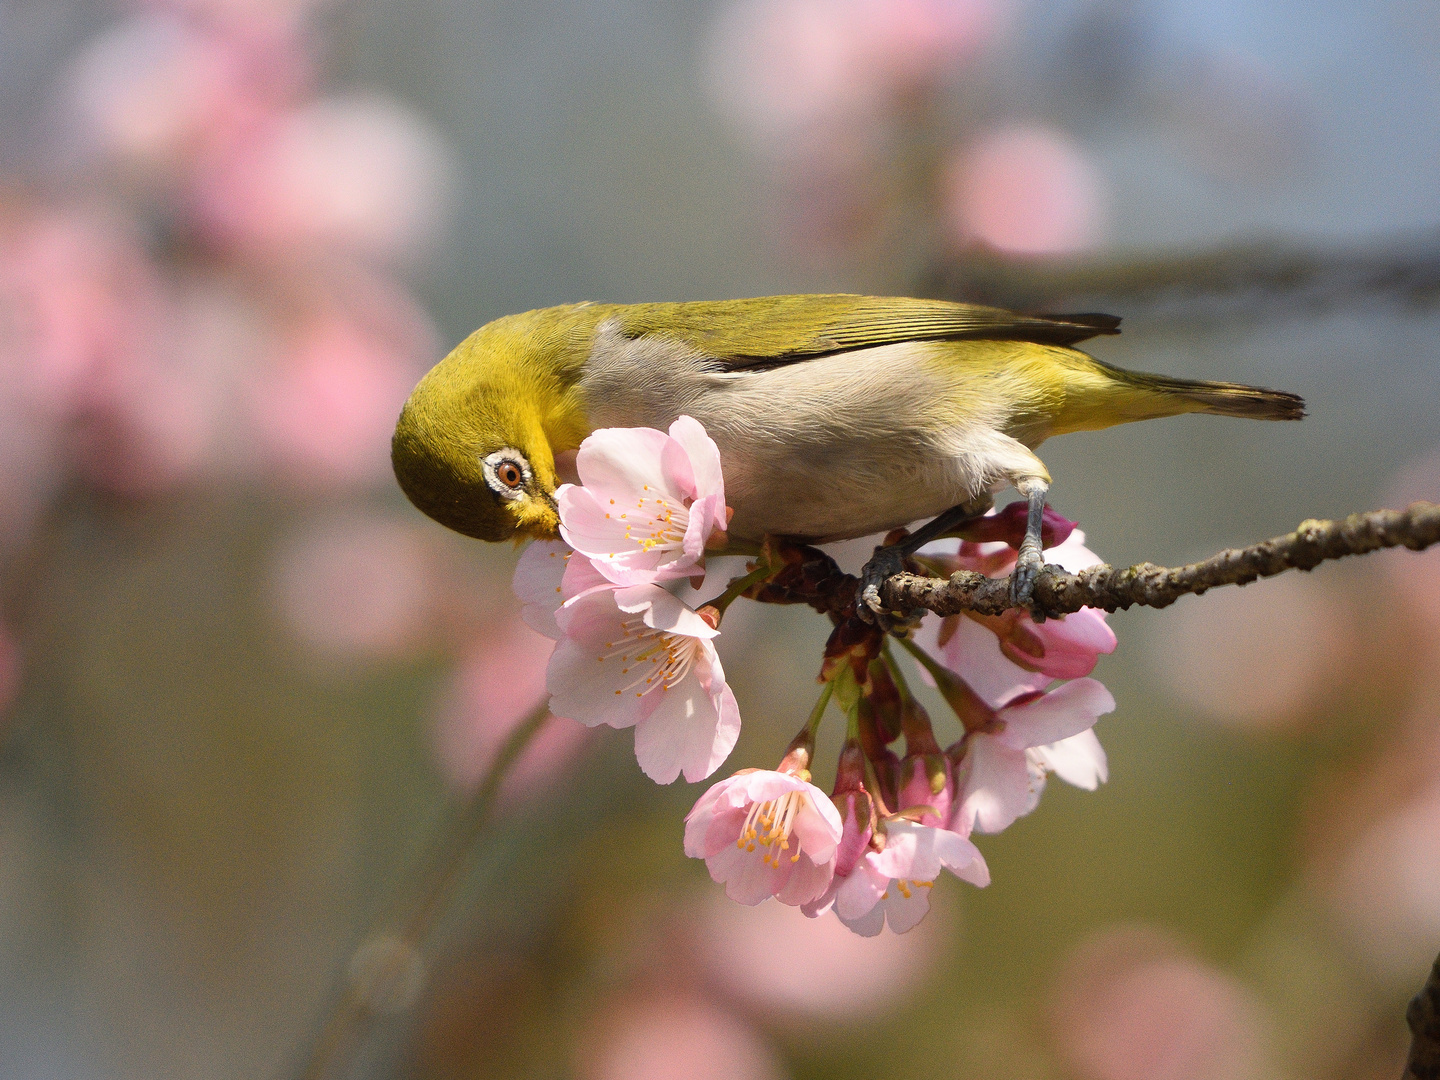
(1423, 1016)
(1254, 277)
(1148, 585)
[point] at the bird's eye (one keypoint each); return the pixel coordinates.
(507, 471)
(509, 474)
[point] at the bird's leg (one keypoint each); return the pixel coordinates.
(889, 559)
(1029, 563)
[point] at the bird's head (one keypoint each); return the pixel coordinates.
(475, 445)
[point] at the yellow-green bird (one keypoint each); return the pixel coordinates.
(836, 416)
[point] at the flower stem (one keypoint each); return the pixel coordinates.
(762, 572)
(967, 705)
(896, 675)
(405, 930)
(813, 724)
(801, 751)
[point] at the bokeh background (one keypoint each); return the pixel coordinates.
(243, 685)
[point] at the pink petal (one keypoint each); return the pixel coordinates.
(704, 458)
(616, 462)
(1078, 760)
(1067, 710)
(664, 612)
(818, 826)
(723, 830)
(909, 852)
(581, 691)
(1072, 644)
(902, 912)
(746, 877)
(962, 858)
(973, 653)
(538, 583)
(861, 891)
(996, 786)
(675, 464)
(1073, 555)
(808, 880)
(688, 731)
(596, 526)
(822, 903)
(868, 925)
(706, 515)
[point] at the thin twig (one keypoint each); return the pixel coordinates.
(386, 972)
(1058, 593)
(1423, 1016)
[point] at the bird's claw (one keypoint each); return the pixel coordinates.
(887, 561)
(1027, 570)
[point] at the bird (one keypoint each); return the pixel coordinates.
(836, 416)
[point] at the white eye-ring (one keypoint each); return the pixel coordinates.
(507, 472)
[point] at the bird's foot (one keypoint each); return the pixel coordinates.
(1027, 570)
(888, 560)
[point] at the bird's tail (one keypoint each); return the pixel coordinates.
(1219, 398)
(1103, 395)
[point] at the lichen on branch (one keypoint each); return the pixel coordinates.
(1110, 588)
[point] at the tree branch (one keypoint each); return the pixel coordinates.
(1058, 593)
(1423, 1016)
(1237, 277)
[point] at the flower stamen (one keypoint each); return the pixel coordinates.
(775, 819)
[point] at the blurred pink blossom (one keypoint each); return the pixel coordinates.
(95, 354)
(157, 94)
(1387, 889)
(1259, 656)
(750, 953)
(361, 175)
(1025, 190)
(777, 65)
(1129, 1005)
(499, 680)
(360, 587)
(325, 403)
(76, 292)
(674, 1038)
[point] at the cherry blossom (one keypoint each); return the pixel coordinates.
(764, 833)
(884, 870)
(648, 502)
(1003, 769)
(638, 657)
(1026, 189)
(891, 886)
(359, 174)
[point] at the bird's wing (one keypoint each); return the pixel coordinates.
(771, 331)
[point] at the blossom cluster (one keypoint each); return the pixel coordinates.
(630, 653)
